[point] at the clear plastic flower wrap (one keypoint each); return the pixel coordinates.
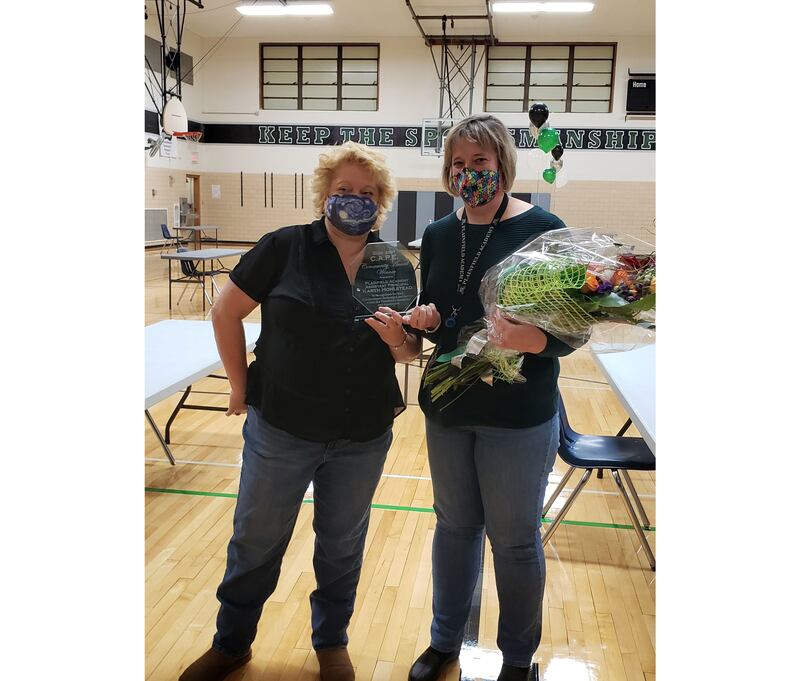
(474, 358)
(579, 285)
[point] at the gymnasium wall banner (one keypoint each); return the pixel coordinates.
(402, 137)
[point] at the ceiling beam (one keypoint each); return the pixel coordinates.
(437, 39)
(461, 40)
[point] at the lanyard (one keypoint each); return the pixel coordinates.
(463, 277)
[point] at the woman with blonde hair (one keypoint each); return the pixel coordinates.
(490, 447)
(320, 398)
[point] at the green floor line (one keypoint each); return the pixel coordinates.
(388, 507)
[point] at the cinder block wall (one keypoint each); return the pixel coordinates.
(241, 215)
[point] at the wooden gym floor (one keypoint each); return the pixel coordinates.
(599, 607)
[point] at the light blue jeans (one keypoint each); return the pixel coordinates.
(491, 479)
(276, 470)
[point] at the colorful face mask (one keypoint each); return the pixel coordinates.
(351, 214)
(476, 187)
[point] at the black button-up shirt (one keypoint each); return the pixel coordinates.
(318, 374)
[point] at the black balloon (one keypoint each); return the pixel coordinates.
(538, 114)
(557, 152)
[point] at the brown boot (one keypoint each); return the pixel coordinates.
(335, 665)
(213, 666)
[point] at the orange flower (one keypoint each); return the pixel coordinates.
(591, 285)
(620, 277)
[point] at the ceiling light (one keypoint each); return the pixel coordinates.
(272, 9)
(533, 7)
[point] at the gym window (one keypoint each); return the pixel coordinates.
(568, 78)
(322, 77)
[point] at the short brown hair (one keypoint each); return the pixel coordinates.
(360, 154)
(486, 131)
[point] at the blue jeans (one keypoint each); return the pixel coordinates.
(276, 470)
(493, 479)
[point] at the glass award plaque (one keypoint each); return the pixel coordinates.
(386, 278)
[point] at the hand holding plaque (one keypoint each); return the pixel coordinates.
(385, 278)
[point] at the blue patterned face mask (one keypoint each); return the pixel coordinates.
(351, 214)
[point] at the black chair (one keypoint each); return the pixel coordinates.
(170, 240)
(602, 452)
(191, 274)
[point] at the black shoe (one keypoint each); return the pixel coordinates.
(430, 665)
(509, 673)
(214, 666)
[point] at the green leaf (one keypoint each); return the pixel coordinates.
(586, 303)
(634, 308)
(612, 304)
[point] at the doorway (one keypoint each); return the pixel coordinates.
(193, 194)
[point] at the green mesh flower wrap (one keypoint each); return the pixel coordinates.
(538, 291)
(521, 283)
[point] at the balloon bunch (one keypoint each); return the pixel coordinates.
(547, 139)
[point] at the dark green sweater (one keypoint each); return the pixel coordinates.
(504, 405)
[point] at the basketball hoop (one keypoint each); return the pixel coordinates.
(434, 132)
(190, 136)
(193, 137)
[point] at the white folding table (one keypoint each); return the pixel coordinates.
(193, 275)
(178, 353)
(632, 377)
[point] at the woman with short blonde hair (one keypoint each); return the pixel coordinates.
(320, 399)
(364, 157)
(490, 447)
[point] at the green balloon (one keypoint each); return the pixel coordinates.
(548, 139)
(549, 175)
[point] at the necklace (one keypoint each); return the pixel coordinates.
(463, 277)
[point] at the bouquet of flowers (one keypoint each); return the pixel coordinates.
(576, 284)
